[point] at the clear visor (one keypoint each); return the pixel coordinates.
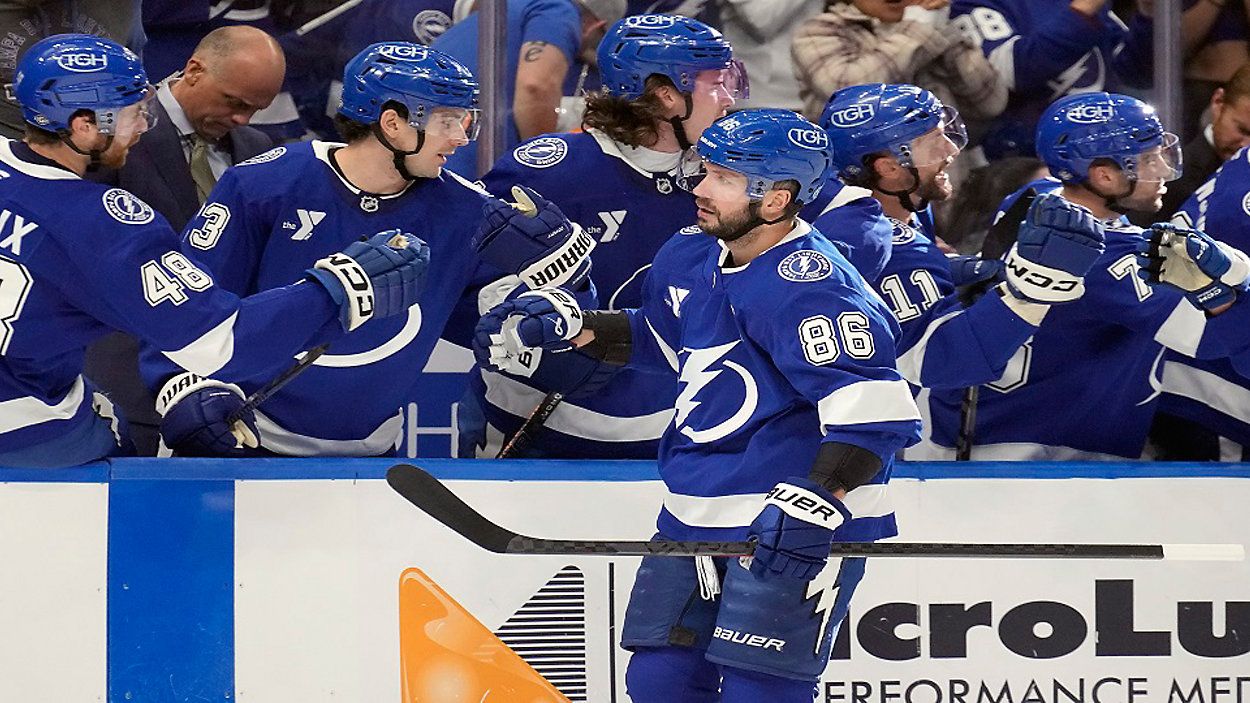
(724, 84)
(1162, 163)
(451, 123)
(940, 143)
(718, 182)
(129, 121)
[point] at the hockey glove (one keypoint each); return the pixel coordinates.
(1057, 244)
(534, 240)
(507, 336)
(794, 531)
(1209, 272)
(973, 270)
(194, 410)
(377, 277)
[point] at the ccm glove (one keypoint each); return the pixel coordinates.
(194, 412)
(1209, 272)
(534, 240)
(1057, 244)
(378, 277)
(507, 337)
(794, 531)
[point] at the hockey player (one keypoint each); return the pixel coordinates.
(79, 259)
(404, 109)
(897, 141)
(666, 78)
(789, 401)
(1087, 384)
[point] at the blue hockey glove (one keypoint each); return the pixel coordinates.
(1056, 245)
(972, 270)
(795, 529)
(534, 240)
(1209, 272)
(378, 277)
(508, 337)
(194, 410)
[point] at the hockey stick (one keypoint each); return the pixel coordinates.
(431, 496)
(262, 394)
(532, 424)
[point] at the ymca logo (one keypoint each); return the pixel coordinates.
(308, 219)
(808, 138)
(852, 116)
(676, 296)
(650, 21)
(1091, 114)
(83, 62)
(611, 224)
(404, 52)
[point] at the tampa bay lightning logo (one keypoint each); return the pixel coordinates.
(1245, 204)
(127, 208)
(429, 25)
(699, 368)
(271, 155)
(903, 233)
(690, 229)
(805, 265)
(543, 152)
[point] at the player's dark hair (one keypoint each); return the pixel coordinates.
(792, 186)
(1239, 85)
(631, 122)
(38, 135)
(352, 131)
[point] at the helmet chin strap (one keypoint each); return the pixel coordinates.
(398, 155)
(1113, 201)
(753, 209)
(903, 196)
(679, 123)
(94, 154)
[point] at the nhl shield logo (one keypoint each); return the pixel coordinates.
(543, 152)
(804, 266)
(127, 208)
(664, 185)
(368, 203)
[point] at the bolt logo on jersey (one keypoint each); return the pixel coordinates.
(803, 266)
(853, 116)
(543, 152)
(1245, 204)
(1091, 113)
(275, 153)
(126, 207)
(696, 374)
(429, 25)
(813, 138)
(903, 232)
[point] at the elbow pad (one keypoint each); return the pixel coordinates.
(844, 466)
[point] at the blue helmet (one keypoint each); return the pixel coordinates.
(65, 73)
(766, 145)
(417, 77)
(1077, 129)
(676, 47)
(876, 118)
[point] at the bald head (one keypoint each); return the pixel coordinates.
(233, 72)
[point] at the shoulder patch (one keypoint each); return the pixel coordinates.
(271, 155)
(903, 232)
(692, 229)
(1245, 203)
(805, 265)
(543, 152)
(126, 207)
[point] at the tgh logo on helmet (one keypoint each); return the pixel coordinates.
(404, 52)
(650, 21)
(808, 138)
(852, 116)
(82, 62)
(1090, 114)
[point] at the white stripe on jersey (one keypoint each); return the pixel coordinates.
(871, 501)
(867, 402)
(927, 450)
(911, 362)
(1219, 394)
(1183, 329)
(669, 355)
(210, 352)
(520, 400)
(280, 440)
(27, 411)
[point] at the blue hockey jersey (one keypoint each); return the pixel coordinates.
(631, 212)
(1044, 50)
(772, 358)
(78, 259)
(1085, 387)
(270, 218)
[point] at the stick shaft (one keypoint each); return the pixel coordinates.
(532, 424)
(261, 395)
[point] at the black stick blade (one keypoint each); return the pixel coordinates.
(431, 496)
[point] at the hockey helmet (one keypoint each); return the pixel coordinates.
(62, 74)
(1078, 129)
(415, 76)
(679, 48)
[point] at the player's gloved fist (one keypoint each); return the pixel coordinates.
(794, 531)
(1209, 272)
(1057, 244)
(195, 412)
(534, 240)
(972, 270)
(508, 337)
(377, 277)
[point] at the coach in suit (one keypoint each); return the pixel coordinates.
(200, 131)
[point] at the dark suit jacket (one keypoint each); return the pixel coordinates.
(157, 171)
(1199, 162)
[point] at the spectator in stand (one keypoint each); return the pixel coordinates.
(1217, 42)
(546, 38)
(891, 41)
(761, 32)
(1046, 49)
(964, 221)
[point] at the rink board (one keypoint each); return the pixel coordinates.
(146, 580)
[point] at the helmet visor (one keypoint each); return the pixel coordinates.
(1162, 163)
(452, 123)
(132, 120)
(718, 182)
(724, 84)
(940, 143)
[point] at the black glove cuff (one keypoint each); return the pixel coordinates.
(614, 340)
(844, 466)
